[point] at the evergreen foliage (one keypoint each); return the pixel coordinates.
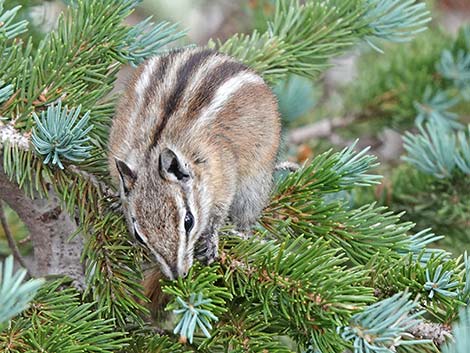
(5, 92)
(438, 151)
(9, 28)
(296, 97)
(57, 321)
(462, 335)
(316, 274)
(425, 84)
(420, 81)
(382, 326)
(14, 295)
(325, 29)
(57, 136)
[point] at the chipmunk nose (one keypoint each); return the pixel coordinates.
(179, 272)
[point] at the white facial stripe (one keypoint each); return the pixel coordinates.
(224, 93)
(163, 264)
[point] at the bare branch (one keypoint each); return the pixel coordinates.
(321, 129)
(103, 187)
(287, 166)
(11, 240)
(50, 228)
(8, 134)
(439, 333)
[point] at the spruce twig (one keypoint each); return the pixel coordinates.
(13, 137)
(436, 332)
(104, 188)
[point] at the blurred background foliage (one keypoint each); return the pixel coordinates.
(375, 97)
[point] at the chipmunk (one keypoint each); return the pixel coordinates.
(194, 142)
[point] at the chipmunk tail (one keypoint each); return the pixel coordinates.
(153, 291)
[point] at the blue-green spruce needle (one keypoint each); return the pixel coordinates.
(395, 20)
(14, 294)
(8, 28)
(59, 135)
(382, 327)
(193, 316)
(440, 283)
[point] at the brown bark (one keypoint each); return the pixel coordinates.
(11, 240)
(50, 228)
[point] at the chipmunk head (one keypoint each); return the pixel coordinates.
(164, 208)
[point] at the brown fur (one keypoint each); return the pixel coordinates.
(226, 161)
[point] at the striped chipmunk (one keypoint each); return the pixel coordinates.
(193, 143)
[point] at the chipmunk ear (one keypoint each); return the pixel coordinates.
(127, 175)
(172, 168)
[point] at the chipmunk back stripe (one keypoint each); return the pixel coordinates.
(225, 92)
(183, 77)
(157, 76)
(211, 82)
(144, 78)
(142, 85)
(216, 125)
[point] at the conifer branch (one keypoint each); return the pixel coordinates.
(313, 269)
(243, 331)
(103, 187)
(12, 137)
(5, 92)
(196, 311)
(325, 29)
(50, 229)
(461, 330)
(145, 340)
(193, 316)
(438, 152)
(146, 39)
(463, 156)
(437, 333)
(288, 282)
(396, 20)
(8, 28)
(383, 326)
(434, 108)
(413, 275)
(14, 295)
(456, 67)
(58, 321)
(58, 135)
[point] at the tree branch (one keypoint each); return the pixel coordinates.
(11, 240)
(50, 228)
(321, 129)
(438, 333)
(103, 187)
(8, 134)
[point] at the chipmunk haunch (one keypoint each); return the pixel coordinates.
(193, 142)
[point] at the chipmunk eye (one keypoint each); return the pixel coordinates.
(188, 222)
